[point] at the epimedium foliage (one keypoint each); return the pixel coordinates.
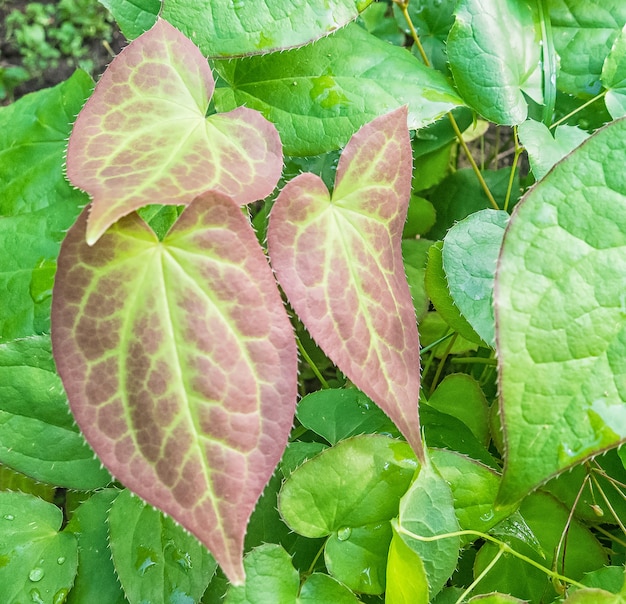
(144, 297)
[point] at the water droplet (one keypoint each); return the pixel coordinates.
(35, 596)
(343, 534)
(61, 560)
(9, 517)
(146, 559)
(487, 516)
(60, 596)
(36, 574)
(366, 577)
(183, 559)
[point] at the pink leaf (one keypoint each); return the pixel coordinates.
(143, 137)
(339, 261)
(180, 364)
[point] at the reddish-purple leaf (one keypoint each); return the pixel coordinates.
(180, 364)
(143, 136)
(339, 260)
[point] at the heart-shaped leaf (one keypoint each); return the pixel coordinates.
(180, 364)
(561, 316)
(339, 260)
(143, 136)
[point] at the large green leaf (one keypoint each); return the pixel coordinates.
(494, 55)
(339, 260)
(233, 28)
(133, 16)
(180, 364)
(37, 563)
(560, 312)
(37, 205)
(614, 77)
(38, 436)
(319, 95)
(155, 559)
(406, 578)
(143, 138)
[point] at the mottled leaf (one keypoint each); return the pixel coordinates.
(613, 77)
(560, 316)
(469, 255)
(155, 559)
(338, 258)
(134, 17)
(143, 136)
(319, 95)
(37, 205)
(180, 364)
(233, 28)
(38, 436)
(494, 55)
(37, 563)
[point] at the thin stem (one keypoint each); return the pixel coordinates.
(608, 504)
(442, 362)
(317, 556)
(435, 343)
(474, 361)
(480, 577)
(311, 364)
(404, 7)
(610, 536)
(518, 151)
(571, 113)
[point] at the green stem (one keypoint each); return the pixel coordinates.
(474, 361)
(435, 343)
(442, 363)
(518, 151)
(317, 556)
(608, 504)
(571, 113)
(311, 364)
(549, 60)
(480, 577)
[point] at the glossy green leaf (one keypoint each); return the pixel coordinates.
(223, 28)
(96, 580)
(461, 396)
(143, 138)
(134, 17)
(319, 95)
(583, 35)
(494, 55)
(38, 436)
(338, 258)
(337, 414)
(545, 149)
(37, 563)
(427, 510)
(155, 559)
(470, 253)
(180, 364)
(357, 557)
(37, 205)
(560, 312)
(271, 578)
(406, 578)
(357, 482)
(613, 77)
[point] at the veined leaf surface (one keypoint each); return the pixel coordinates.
(180, 364)
(560, 316)
(338, 258)
(143, 136)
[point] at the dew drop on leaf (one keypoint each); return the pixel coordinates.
(36, 575)
(60, 596)
(9, 517)
(343, 534)
(146, 558)
(61, 560)
(35, 596)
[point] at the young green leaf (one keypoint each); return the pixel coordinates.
(38, 436)
(469, 255)
(143, 136)
(494, 57)
(180, 364)
(319, 95)
(560, 316)
(406, 578)
(227, 28)
(338, 258)
(37, 563)
(613, 77)
(155, 560)
(37, 205)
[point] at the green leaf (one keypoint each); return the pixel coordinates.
(271, 578)
(337, 414)
(613, 77)
(37, 563)
(134, 17)
(494, 55)
(427, 510)
(594, 596)
(415, 256)
(420, 218)
(143, 137)
(223, 28)
(319, 95)
(339, 260)
(357, 482)
(470, 253)
(406, 578)
(180, 364)
(37, 204)
(357, 557)
(495, 598)
(155, 559)
(38, 436)
(583, 35)
(544, 149)
(96, 580)
(560, 313)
